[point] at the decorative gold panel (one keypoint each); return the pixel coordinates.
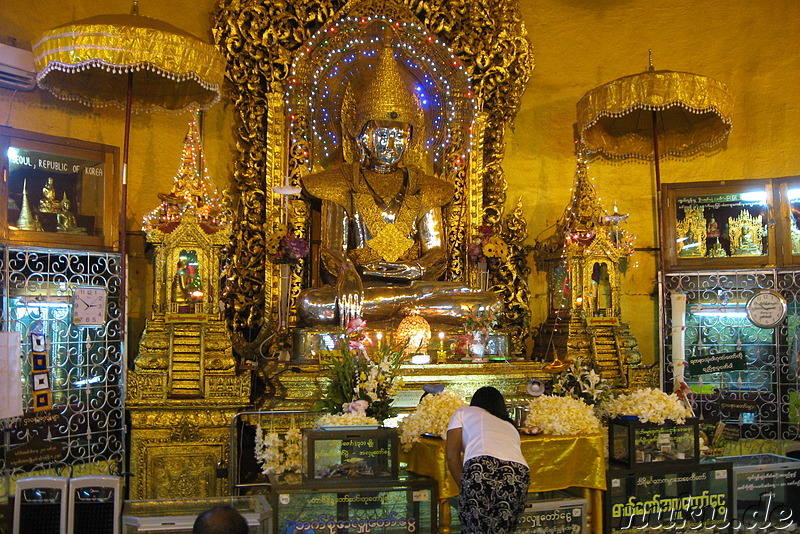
(175, 453)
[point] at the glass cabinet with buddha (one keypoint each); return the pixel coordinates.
(58, 192)
(720, 224)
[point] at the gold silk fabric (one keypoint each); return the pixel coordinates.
(89, 61)
(556, 462)
(693, 113)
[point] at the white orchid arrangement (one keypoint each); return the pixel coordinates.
(278, 455)
(362, 373)
(561, 416)
(431, 416)
(650, 405)
(581, 381)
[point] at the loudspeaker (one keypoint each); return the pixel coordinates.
(41, 505)
(95, 506)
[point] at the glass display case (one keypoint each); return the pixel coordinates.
(71, 372)
(741, 374)
(720, 224)
(58, 192)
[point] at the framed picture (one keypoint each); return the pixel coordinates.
(58, 192)
(719, 225)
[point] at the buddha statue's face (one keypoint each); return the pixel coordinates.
(384, 143)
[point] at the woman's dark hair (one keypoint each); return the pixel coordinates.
(491, 400)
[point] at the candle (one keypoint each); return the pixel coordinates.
(379, 337)
(441, 340)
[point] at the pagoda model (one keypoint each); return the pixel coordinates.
(583, 260)
(185, 387)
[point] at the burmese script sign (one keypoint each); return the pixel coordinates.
(704, 364)
(36, 451)
(738, 406)
(679, 500)
(770, 493)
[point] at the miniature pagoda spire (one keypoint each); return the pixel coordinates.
(193, 191)
(583, 219)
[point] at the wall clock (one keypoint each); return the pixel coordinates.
(766, 309)
(89, 306)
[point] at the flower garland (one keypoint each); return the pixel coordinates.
(561, 416)
(276, 455)
(649, 405)
(431, 416)
(283, 246)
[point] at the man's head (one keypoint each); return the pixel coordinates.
(384, 143)
(220, 520)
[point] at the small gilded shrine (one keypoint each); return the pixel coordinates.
(584, 259)
(185, 386)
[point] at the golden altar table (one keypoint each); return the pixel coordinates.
(556, 462)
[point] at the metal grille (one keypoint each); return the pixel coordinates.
(86, 364)
(716, 322)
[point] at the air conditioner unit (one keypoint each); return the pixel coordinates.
(16, 68)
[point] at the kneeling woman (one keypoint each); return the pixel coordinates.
(493, 475)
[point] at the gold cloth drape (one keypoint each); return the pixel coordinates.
(556, 462)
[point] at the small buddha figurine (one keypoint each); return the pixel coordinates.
(48, 203)
(746, 244)
(180, 282)
(383, 232)
(713, 228)
(67, 223)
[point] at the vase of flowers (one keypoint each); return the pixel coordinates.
(488, 247)
(477, 325)
(284, 247)
(364, 379)
(487, 250)
(581, 381)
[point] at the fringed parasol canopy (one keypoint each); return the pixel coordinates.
(89, 61)
(691, 113)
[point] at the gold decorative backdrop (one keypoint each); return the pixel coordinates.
(261, 40)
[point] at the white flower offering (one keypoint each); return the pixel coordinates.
(650, 406)
(561, 416)
(430, 417)
(347, 419)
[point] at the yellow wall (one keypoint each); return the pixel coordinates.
(578, 45)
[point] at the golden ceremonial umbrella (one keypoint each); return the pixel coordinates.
(133, 62)
(654, 114)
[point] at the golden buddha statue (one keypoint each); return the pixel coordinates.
(181, 282)
(48, 202)
(383, 233)
(67, 224)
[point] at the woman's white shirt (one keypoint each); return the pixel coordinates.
(483, 434)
